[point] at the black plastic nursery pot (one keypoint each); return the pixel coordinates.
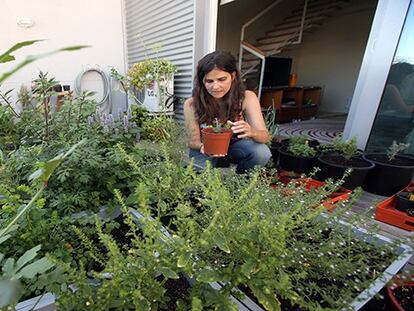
(404, 204)
(334, 166)
(300, 165)
(311, 142)
(388, 177)
(274, 149)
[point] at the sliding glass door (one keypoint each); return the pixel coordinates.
(394, 117)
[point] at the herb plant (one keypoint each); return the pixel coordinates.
(299, 146)
(395, 149)
(347, 149)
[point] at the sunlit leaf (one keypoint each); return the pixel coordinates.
(27, 257)
(10, 290)
(221, 242)
(39, 266)
(6, 57)
(31, 59)
(183, 260)
(207, 276)
(168, 273)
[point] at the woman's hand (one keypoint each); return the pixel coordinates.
(242, 128)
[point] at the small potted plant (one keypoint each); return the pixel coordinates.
(298, 156)
(154, 77)
(216, 138)
(392, 172)
(340, 156)
(401, 293)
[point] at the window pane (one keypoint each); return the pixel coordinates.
(394, 120)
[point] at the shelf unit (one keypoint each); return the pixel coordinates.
(292, 103)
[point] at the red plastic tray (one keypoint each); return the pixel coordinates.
(386, 212)
(341, 195)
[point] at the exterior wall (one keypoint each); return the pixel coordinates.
(64, 23)
(331, 57)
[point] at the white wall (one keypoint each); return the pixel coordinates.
(331, 56)
(63, 23)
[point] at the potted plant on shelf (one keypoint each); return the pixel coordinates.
(340, 156)
(216, 138)
(154, 77)
(298, 156)
(401, 293)
(392, 172)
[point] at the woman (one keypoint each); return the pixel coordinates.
(219, 93)
(395, 98)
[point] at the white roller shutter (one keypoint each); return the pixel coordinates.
(169, 24)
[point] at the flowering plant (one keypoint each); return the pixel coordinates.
(143, 74)
(299, 146)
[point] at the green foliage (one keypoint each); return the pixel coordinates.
(6, 57)
(7, 126)
(347, 149)
(128, 278)
(143, 74)
(270, 122)
(395, 149)
(158, 128)
(218, 127)
(25, 267)
(280, 251)
(299, 146)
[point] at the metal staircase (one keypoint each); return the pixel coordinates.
(288, 32)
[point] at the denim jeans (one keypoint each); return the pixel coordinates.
(246, 153)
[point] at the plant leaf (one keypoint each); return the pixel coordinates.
(4, 238)
(10, 291)
(6, 57)
(168, 273)
(30, 59)
(207, 276)
(268, 300)
(183, 260)
(26, 257)
(221, 242)
(8, 267)
(48, 167)
(248, 267)
(39, 266)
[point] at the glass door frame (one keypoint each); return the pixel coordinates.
(382, 44)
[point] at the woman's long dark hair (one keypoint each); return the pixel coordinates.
(205, 107)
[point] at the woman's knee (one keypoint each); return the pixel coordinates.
(256, 153)
(261, 154)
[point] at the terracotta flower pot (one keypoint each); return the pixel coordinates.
(216, 143)
(401, 294)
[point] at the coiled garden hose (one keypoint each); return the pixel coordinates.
(106, 84)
